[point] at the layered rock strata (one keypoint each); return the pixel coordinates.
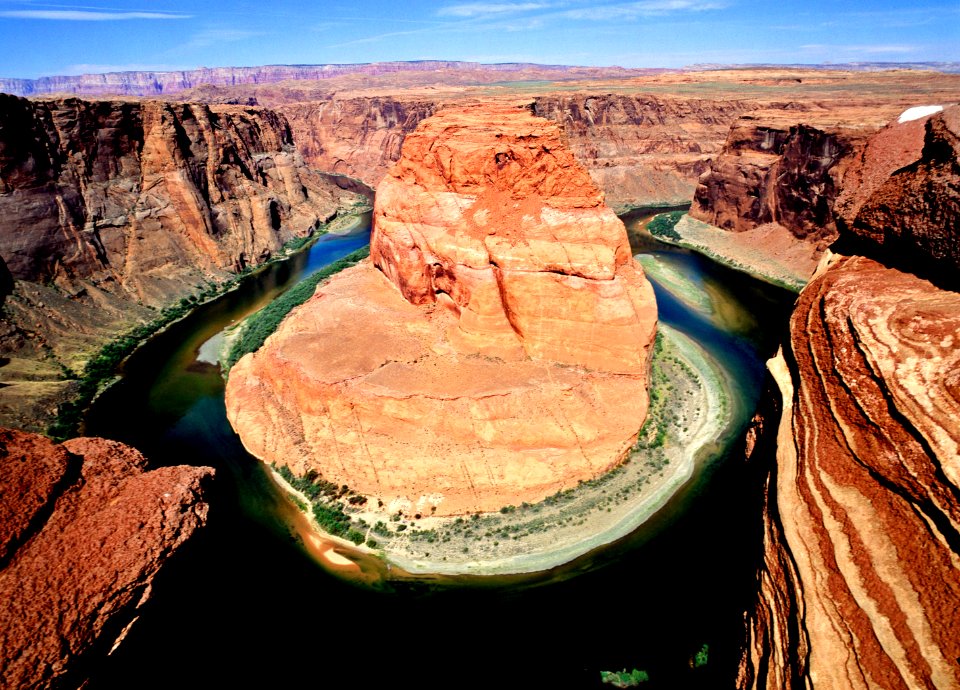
(356, 136)
(784, 169)
(810, 176)
(495, 350)
(84, 528)
(638, 149)
(148, 195)
(643, 149)
(111, 209)
(860, 585)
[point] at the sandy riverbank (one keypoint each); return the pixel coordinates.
(349, 224)
(768, 252)
(693, 413)
(678, 283)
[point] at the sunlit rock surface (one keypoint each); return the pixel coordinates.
(860, 583)
(84, 528)
(496, 348)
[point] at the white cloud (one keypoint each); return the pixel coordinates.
(882, 48)
(488, 9)
(88, 16)
(531, 24)
(645, 8)
(209, 37)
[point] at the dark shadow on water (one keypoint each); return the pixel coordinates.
(242, 606)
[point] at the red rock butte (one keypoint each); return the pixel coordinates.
(494, 351)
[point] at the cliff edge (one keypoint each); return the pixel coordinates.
(84, 528)
(111, 210)
(860, 585)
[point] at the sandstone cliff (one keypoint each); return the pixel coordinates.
(148, 195)
(902, 202)
(643, 149)
(357, 136)
(109, 209)
(84, 528)
(860, 585)
(782, 168)
(638, 149)
(796, 179)
(497, 348)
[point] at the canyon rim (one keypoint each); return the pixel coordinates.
(503, 336)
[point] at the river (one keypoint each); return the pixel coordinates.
(243, 604)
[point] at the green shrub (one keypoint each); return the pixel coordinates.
(624, 678)
(702, 657)
(663, 225)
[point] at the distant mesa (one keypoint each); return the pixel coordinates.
(493, 351)
(134, 83)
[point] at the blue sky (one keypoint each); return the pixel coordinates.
(46, 38)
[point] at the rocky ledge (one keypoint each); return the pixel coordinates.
(861, 586)
(495, 350)
(84, 528)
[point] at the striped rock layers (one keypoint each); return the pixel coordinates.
(860, 584)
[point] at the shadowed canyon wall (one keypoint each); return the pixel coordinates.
(111, 209)
(782, 168)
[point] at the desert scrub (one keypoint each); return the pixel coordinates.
(325, 504)
(259, 326)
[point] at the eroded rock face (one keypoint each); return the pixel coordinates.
(902, 205)
(84, 528)
(494, 351)
(643, 149)
(360, 137)
(111, 208)
(781, 168)
(149, 196)
(490, 213)
(861, 586)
